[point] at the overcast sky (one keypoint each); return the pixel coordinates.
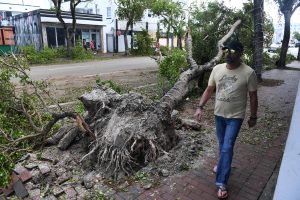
(270, 8)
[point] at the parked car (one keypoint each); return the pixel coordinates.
(273, 47)
(291, 45)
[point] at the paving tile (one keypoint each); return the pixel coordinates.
(20, 189)
(70, 191)
(44, 168)
(208, 196)
(196, 195)
(35, 194)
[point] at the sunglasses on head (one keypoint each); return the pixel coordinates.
(231, 51)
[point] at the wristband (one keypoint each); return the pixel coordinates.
(200, 107)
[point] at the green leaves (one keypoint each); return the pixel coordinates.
(172, 65)
(297, 35)
(131, 10)
(6, 166)
(172, 13)
(210, 22)
(14, 103)
(142, 44)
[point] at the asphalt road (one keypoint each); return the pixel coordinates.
(93, 68)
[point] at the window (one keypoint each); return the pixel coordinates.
(51, 36)
(60, 36)
(108, 13)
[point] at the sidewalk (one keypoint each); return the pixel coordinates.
(254, 164)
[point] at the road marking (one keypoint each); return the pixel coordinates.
(107, 73)
(143, 86)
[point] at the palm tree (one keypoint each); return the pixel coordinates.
(258, 16)
(287, 8)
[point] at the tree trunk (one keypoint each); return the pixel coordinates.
(131, 37)
(179, 42)
(258, 37)
(168, 36)
(286, 39)
(298, 56)
(158, 32)
(125, 39)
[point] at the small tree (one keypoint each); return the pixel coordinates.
(172, 17)
(68, 31)
(131, 11)
(142, 43)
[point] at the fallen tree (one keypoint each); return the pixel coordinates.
(131, 130)
(123, 132)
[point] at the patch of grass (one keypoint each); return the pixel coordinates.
(79, 107)
(141, 176)
(119, 88)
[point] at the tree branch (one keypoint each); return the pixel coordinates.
(180, 88)
(296, 6)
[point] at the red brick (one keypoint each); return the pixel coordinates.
(9, 189)
(206, 196)
(181, 197)
(248, 196)
(167, 196)
(195, 195)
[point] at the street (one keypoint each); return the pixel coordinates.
(86, 69)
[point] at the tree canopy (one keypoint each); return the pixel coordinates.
(172, 14)
(210, 21)
(131, 11)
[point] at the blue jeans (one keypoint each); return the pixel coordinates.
(227, 130)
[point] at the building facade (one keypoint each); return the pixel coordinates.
(42, 29)
(279, 31)
(108, 33)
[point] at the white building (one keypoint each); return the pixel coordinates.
(10, 8)
(279, 31)
(111, 38)
(114, 28)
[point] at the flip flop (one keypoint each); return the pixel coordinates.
(215, 169)
(222, 192)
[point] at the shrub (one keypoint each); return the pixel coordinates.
(47, 55)
(172, 66)
(30, 53)
(142, 44)
(164, 50)
(270, 61)
(61, 52)
(79, 53)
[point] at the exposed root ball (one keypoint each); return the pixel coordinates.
(131, 130)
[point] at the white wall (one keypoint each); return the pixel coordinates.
(17, 6)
